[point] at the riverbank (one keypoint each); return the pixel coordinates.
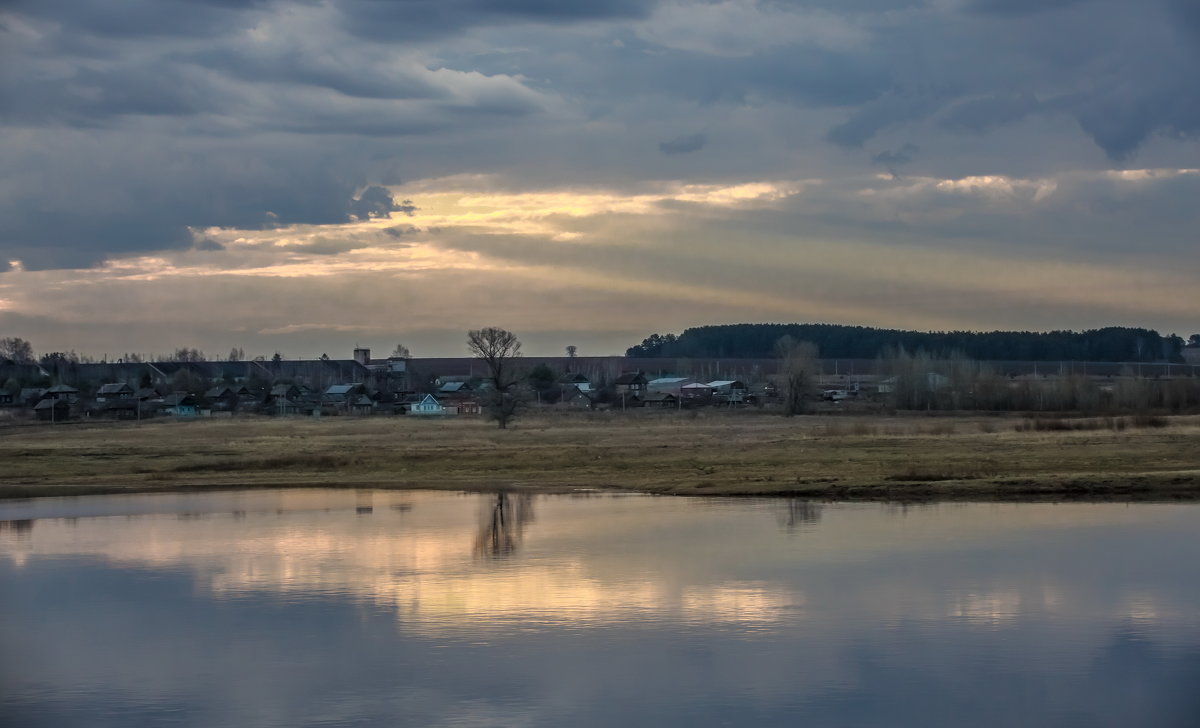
(833, 458)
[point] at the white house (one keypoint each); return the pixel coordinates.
(427, 405)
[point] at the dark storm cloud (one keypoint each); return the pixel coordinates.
(1123, 73)
(892, 110)
(1018, 7)
(90, 98)
(394, 20)
(124, 144)
(1187, 12)
(132, 199)
(141, 18)
(799, 76)
(127, 124)
(981, 114)
(291, 65)
(683, 144)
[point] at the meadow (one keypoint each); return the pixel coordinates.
(902, 457)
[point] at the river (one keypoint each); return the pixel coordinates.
(362, 608)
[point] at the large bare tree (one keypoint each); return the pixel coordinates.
(799, 366)
(500, 352)
(16, 349)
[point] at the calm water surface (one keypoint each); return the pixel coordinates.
(345, 608)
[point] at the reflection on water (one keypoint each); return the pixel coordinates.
(397, 608)
(502, 524)
(796, 513)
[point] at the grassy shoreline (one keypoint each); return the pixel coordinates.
(900, 458)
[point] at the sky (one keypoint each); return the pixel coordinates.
(310, 176)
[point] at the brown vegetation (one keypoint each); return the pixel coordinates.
(907, 457)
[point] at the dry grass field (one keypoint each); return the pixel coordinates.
(878, 457)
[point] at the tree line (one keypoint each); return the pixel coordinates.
(758, 341)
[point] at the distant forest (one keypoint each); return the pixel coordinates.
(1111, 344)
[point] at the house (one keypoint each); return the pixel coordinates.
(118, 390)
(424, 404)
(343, 393)
(575, 398)
(127, 408)
(696, 392)
(580, 382)
(659, 399)
(729, 390)
(53, 410)
(667, 384)
(150, 399)
(453, 388)
(463, 406)
(7, 399)
(283, 406)
(459, 397)
(223, 398)
(361, 405)
(341, 397)
(288, 391)
(63, 392)
(631, 383)
(181, 404)
(1191, 354)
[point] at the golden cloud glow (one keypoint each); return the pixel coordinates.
(670, 247)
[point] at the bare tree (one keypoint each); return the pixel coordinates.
(499, 350)
(571, 350)
(17, 349)
(237, 354)
(186, 354)
(798, 365)
(401, 352)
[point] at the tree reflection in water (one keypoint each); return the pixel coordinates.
(502, 525)
(797, 513)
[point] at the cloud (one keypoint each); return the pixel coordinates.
(431, 19)
(893, 160)
(136, 19)
(376, 201)
(1014, 8)
(124, 143)
(232, 141)
(745, 27)
(890, 111)
(979, 114)
(207, 244)
(921, 251)
(683, 144)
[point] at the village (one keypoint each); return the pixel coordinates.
(363, 386)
